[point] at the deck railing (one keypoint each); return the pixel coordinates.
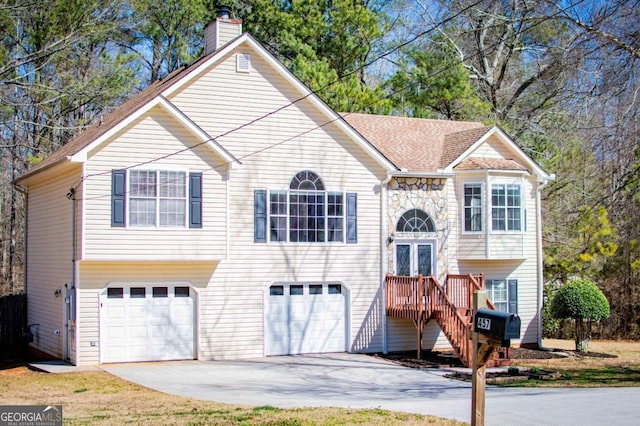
(422, 298)
(456, 327)
(405, 297)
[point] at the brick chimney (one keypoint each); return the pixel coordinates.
(221, 30)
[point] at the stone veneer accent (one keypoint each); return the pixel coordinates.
(426, 194)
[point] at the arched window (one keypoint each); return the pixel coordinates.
(306, 181)
(415, 220)
(305, 213)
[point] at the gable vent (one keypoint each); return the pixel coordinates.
(243, 62)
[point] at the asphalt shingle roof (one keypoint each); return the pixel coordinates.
(417, 144)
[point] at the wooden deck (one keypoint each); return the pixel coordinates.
(422, 298)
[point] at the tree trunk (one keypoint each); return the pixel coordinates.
(583, 334)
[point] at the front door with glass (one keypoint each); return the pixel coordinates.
(414, 258)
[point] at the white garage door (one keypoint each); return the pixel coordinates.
(147, 323)
(305, 318)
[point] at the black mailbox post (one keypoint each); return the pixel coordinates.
(497, 325)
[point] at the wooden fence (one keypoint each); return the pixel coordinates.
(13, 323)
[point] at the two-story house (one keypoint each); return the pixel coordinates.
(227, 212)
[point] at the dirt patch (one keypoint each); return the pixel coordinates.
(428, 359)
(512, 374)
(525, 353)
(12, 366)
(448, 359)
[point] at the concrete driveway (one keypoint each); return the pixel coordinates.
(361, 381)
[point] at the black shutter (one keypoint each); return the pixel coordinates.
(195, 200)
(513, 296)
(118, 197)
(260, 216)
(352, 217)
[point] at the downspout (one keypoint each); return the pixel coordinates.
(71, 195)
(540, 257)
(487, 219)
(384, 256)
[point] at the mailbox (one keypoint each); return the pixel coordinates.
(497, 324)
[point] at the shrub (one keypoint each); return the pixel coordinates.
(584, 302)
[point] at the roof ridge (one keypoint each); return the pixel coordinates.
(475, 129)
(434, 120)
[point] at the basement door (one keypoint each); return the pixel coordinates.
(147, 323)
(305, 318)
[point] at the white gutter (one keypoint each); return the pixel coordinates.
(540, 255)
(384, 256)
(405, 173)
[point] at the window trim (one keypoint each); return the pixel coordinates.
(413, 244)
(511, 300)
(158, 198)
(505, 208)
(428, 222)
(326, 231)
(121, 198)
(346, 217)
(486, 194)
(482, 208)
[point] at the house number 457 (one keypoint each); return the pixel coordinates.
(483, 323)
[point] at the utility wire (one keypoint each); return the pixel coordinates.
(310, 93)
(315, 92)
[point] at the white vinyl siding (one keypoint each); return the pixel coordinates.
(525, 273)
(272, 150)
(236, 270)
(497, 244)
(494, 148)
(95, 276)
(226, 31)
(49, 249)
(157, 135)
(506, 256)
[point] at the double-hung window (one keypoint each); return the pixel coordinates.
(156, 198)
(473, 207)
(305, 213)
(506, 207)
(503, 294)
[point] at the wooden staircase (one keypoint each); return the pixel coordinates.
(422, 298)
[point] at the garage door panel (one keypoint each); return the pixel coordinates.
(312, 320)
(138, 331)
(182, 312)
(138, 313)
(116, 310)
(148, 328)
(116, 333)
